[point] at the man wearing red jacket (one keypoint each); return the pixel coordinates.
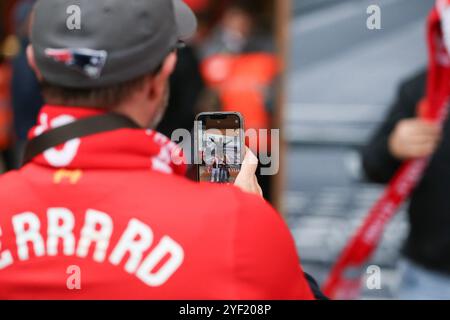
(110, 215)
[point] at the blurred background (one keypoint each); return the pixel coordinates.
(311, 68)
(342, 80)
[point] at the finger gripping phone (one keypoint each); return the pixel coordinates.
(219, 146)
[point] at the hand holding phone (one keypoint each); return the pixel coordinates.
(221, 155)
(219, 145)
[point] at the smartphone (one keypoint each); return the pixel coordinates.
(219, 146)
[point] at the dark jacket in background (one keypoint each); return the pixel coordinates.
(428, 242)
(186, 84)
(26, 95)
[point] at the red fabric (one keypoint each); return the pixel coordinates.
(226, 244)
(197, 5)
(345, 278)
(438, 89)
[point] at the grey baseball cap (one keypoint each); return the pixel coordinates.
(99, 43)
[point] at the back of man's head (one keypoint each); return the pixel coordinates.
(97, 53)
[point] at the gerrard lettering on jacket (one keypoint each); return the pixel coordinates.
(96, 232)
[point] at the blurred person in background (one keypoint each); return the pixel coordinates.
(239, 66)
(240, 30)
(26, 97)
(425, 269)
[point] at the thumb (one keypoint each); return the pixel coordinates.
(246, 180)
(250, 164)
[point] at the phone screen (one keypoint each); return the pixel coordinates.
(219, 147)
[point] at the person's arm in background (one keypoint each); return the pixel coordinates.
(380, 161)
(265, 256)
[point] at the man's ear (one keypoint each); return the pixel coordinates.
(32, 62)
(169, 65)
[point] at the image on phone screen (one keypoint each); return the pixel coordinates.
(220, 140)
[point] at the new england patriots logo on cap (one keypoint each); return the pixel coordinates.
(87, 61)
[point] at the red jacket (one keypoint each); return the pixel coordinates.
(107, 217)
